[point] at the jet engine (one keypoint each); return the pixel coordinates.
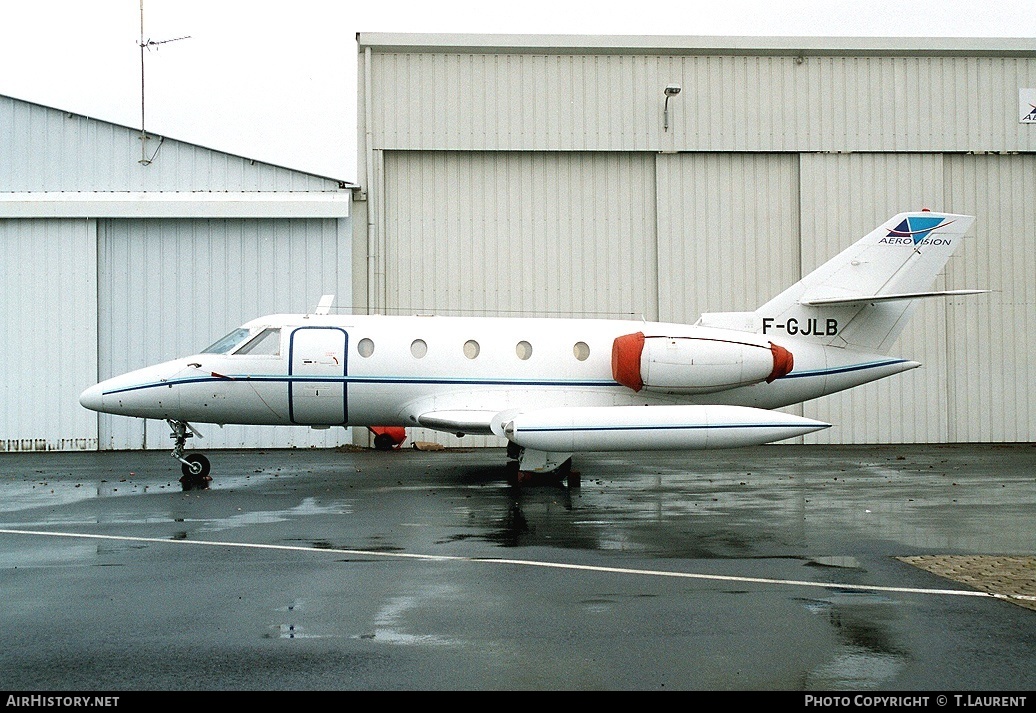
(695, 365)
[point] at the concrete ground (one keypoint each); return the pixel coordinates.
(777, 568)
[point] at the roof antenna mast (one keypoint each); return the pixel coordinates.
(148, 44)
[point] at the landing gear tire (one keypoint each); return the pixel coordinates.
(195, 472)
(384, 442)
(195, 467)
(514, 451)
(560, 475)
(566, 473)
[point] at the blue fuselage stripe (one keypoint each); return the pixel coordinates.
(844, 369)
(349, 380)
(660, 427)
(446, 381)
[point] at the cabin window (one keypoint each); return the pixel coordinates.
(267, 342)
(365, 347)
(581, 350)
(471, 349)
(523, 349)
(227, 343)
(418, 348)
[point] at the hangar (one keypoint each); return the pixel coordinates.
(659, 177)
(664, 177)
(113, 256)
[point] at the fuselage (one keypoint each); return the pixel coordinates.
(553, 387)
(327, 370)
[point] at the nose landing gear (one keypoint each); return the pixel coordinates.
(195, 467)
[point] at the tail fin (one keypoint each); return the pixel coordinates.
(863, 297)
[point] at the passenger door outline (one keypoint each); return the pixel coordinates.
(317, 368)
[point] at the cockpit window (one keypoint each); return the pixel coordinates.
(227, 343)
(267, 342)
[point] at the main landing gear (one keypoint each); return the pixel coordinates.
(387, 438)
(195, 467)
(533, 467)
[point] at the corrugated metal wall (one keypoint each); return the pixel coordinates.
(49, 328)
(516, 234)
(483, 158)
(727, 231)
(519, 233)
(511, 101)
(991, 369)
(91, 297)
(172, 287)
(910, 407)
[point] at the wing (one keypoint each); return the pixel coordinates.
(619, 428)
(460, 422)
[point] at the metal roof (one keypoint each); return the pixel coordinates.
(342, 184)
(698, 45)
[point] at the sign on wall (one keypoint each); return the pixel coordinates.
(1027, 106)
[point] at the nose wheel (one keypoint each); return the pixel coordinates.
(195, 467)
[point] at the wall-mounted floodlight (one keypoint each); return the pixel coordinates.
(671, 90)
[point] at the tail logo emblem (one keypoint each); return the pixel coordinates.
(916, 228)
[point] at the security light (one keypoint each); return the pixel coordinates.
(671, 90)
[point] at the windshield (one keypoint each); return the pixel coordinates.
(267, 342)
(227, 343)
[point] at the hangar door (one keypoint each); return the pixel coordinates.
(659, 236)
(728, 231)
(518, 234)
(49, 322)
(992, 370)
(169, 288)
(909, 407)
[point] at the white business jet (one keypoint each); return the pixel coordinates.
(554, 387)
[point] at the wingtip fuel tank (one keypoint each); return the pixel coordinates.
(640, 428)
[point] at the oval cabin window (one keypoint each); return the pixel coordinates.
(523, 349)
(418, 348)
(365, 347)
(471, 349)
(581, 351)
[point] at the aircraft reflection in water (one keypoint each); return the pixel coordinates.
(554, 387)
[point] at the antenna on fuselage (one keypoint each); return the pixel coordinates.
(324, 306)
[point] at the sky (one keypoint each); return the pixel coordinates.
(276, 81)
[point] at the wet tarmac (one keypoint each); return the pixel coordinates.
(777, 568)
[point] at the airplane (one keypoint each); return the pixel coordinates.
(553, 387)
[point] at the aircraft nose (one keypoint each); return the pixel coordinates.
(92, 398)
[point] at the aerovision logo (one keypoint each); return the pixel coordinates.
(1027, 105)
(915, 231)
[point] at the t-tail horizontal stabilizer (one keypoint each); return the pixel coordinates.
(871, 299)
(862, 297)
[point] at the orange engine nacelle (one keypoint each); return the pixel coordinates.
(695, 365)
